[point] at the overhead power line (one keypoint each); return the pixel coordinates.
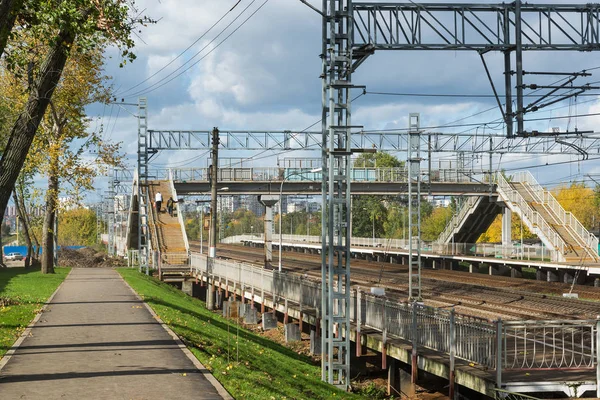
(180, 54)
(164, 81)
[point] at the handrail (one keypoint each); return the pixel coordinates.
(584, 238)
(529, 214)
(152, 224)
(468, 206)
(498, 345)
(366, 174)
(179, 213)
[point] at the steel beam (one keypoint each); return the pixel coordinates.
(380, 140)
(448, 26)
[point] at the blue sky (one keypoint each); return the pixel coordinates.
(266, 76)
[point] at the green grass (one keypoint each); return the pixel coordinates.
(265, 370)
(22, 294)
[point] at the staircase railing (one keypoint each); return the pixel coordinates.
(587, 240)
(458, 218)
(529, 214)
(179, 213)
(154, 232)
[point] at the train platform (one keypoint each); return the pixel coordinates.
(96, 339)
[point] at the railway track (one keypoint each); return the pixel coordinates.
(482, 296)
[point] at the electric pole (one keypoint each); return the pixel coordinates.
(212, 246)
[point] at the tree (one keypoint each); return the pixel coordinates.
(582, 201)
(370, 213)
(435, 223)
(77, 227)
(60, 25)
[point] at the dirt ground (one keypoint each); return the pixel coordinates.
(375, 378)
(87, 258)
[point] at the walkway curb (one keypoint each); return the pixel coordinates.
(4, 360)
(209, 376)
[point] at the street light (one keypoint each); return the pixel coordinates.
(280, 212)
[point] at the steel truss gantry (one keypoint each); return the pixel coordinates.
(142, 187)
(391, 141)
(510, 28)
(336, 150)
(352, 31)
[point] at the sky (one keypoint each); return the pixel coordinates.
(265, 76)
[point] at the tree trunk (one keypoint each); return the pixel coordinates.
(19, 203)
(25, 127)
(8, 14)
(48, 228)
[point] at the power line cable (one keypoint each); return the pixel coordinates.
(162, 82)
(180, 54)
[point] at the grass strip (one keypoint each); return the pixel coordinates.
(22, 294)
(248, 365)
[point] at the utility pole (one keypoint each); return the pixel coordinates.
(212, 249)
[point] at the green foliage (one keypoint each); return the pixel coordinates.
(77, 227)
(378, 159)
(433, 225)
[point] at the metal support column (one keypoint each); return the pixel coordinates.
(414, 207)
(143, 200)
(519, 64)
(336, 151)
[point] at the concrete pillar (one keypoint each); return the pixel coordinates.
(541, 275)
(597, 282)
(471, 268)
(393, 384)
(506, 227)
(268, 201)
(552, 276)
(187, 287)
(493, 270)
(516, 272)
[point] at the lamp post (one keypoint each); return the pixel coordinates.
(281, 214)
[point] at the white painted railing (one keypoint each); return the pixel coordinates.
(497, 345)
(587, 240)
(531, 217)
(458, 219)
(450, 175)
(517, 252)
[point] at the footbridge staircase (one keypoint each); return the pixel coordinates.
(558, 229)
(169, 240)
(472, 219)
(544, 216)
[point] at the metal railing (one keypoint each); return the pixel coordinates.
(517, 252)
(179, 213)
(495, 345)
(502, 394)
(586, 239)
(449, 175)
(458, 219)
(537, 223)
(549, 344)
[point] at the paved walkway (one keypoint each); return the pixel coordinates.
(97, 340)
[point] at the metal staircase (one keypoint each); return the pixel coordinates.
(543, 215)
(169, 241)
(472, 219)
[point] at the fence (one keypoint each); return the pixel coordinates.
(495, 345)
(518, 252)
